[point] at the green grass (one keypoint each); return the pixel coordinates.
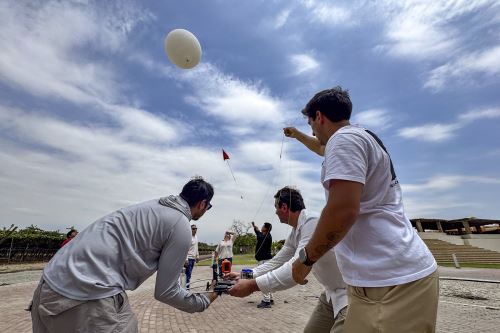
(473, 265)
(240, 259)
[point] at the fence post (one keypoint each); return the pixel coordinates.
(10, 249)
(455, 260)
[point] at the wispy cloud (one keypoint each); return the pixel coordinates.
(462, 71)
(282, 18)
(376, 119)
(42, 57)
(303, 63)
(443, 132)
(424, 29)
(326, 13)
(224, 96)
(447, 182)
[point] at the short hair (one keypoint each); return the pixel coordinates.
(335, 104)
(291, 197)
(268, 226)
(68, 234)
(196, 190)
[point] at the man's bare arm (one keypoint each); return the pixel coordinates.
(337, 218)
(309, 141)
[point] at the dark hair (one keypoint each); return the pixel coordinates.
(68, 234)
(268, 226)
(333, 103)
(291, 197)
(197, 190)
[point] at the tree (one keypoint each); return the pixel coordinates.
(240, 228)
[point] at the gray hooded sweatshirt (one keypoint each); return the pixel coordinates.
(121, 250)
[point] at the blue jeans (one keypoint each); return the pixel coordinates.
(189, 271)
(220, 264)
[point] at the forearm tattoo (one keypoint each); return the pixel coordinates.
(333, 239)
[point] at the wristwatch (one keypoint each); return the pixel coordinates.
(304, 259)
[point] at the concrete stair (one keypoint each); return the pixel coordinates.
(442, 251)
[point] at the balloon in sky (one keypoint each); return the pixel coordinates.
(183, 48)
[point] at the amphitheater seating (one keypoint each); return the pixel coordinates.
(442, 251)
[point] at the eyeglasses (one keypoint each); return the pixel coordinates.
(194, 228)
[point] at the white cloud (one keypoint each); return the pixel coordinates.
(326, 13)
(42, 45)
(376, 119)
(424, 29)
(303, 63)
(442, 132)
(430, 132)
(59, 173)
(448, 182)
(461, 70)
(282, 18)
(480, 114)
(224, 96)
(451, 192)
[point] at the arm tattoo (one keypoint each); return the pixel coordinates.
(320, 250)
(333, 239)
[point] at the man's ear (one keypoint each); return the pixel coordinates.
(320, 117)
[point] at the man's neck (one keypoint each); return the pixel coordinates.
(333, 127)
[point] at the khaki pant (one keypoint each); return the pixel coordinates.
(322, 319)
(406, 308)
(54, 313)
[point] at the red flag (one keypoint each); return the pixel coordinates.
(225, 156)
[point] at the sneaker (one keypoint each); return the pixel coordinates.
(264, 305)
(272, 302)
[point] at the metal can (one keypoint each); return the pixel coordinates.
(246, 273)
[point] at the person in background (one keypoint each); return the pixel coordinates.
(262, 255)
(69, 236)
(224, 250)
(193, 255)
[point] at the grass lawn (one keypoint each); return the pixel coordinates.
(240, 259)
(473, 265)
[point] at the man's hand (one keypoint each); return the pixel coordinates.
(186, 264)
(243, 288)
(290, 132)
(232, 276)
(212, 296)
(197, 260)
(300, 271)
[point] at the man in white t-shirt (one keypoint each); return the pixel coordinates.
(392, 276)
(192, 256)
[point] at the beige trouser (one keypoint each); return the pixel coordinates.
(54, 313)
(406, 308)
(322, 320)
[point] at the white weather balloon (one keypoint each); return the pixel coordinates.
(182, 48)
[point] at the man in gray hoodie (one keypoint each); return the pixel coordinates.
(83, 286)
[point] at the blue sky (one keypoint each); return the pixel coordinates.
(94, 117)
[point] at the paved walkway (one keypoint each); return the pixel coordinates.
(464, 307)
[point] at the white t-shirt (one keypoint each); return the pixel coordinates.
(225, 249)
(381, 249)
(193, 249)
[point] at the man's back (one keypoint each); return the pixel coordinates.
(117, 252)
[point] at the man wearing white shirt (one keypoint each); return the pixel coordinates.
(193, 255)
(392, 275)
(276, 274)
